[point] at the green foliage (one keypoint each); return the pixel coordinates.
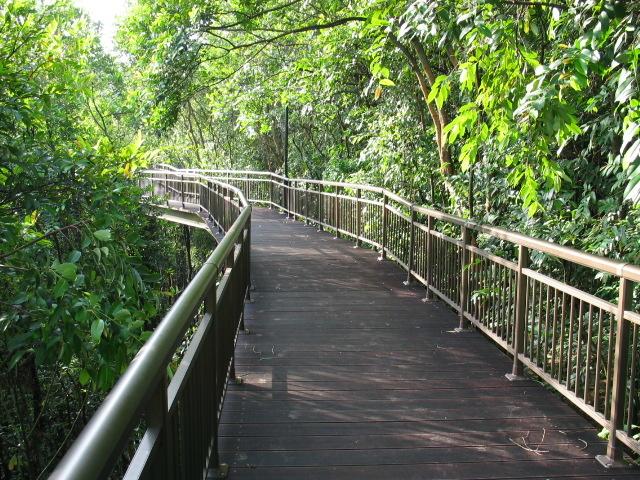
(514, 113)
(80, 259)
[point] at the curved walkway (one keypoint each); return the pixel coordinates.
(348, 374)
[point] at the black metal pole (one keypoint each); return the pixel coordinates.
(286, 141)
(286, 159)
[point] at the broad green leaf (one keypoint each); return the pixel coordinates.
(84, 377)
(66, 270)
(103, 235)
(97, 327)
(61, 288)
(625, 86)
(121, 315)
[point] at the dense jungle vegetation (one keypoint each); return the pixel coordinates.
(523, 114)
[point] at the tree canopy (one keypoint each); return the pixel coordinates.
(524, 114)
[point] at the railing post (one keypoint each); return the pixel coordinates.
(182, 190)
(285, 196)
(521, 298)
(294, 200)
(306, 203)
(358, 217)
(291, 202)
(247, 265)
(613, 458)
(166, 186)
(336, 211)
(211, 308)
(270, 191)
(223, 220)
(157, 415)
(320, 207)
(412, 239)
(209, 199)
(383, 251)
(464, 279)
(221, 206)
(429, 274)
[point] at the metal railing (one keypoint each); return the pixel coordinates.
(179, 415)
(582, 345)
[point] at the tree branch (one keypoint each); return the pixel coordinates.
(254, 16)
(48, 234)
(306, 28)
(535, 4)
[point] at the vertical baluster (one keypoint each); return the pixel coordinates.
(320, 207)
(336, 212)
(271, 180)
(493, 317)
(440, 260)
(474, 305)
(286, 196)
(306, 203)
(631, 405)
(358, 217)
(182, 190)
(210, 200)
(546, 331)
(481, 286)
(596, 387)
(539, 330)
(492, 296)
(587, 373)
(454, 269)
(166, 187)
(531, 313)
(412, 240)
(579, 348)
(510, 310)
(570, 343)
(554, 327)
(563, 318)
(383, 251)
(503, 293)
(504, 300)
(429, 259)
(464, 279)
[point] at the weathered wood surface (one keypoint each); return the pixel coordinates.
(348, 374)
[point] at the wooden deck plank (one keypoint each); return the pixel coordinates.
(349, 374)
(471, 428)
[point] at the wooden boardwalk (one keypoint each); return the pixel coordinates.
(348, 374)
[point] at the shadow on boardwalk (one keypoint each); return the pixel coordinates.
(348, 374)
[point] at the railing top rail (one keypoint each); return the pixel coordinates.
(197, 176)
(246, 172)
(99, 440)
(614, 267)
(621, 269)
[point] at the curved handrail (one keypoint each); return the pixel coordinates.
(160, 174)
(615, 267)
(96, 449)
